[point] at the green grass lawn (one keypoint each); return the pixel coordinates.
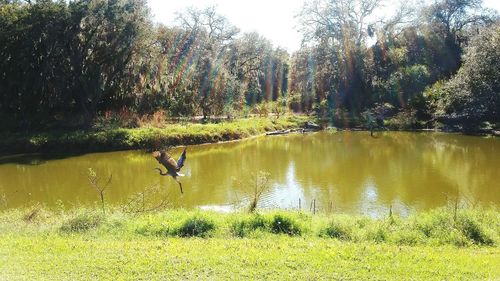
(38, 244)
(278, 258)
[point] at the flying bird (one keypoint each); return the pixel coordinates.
(173, 167)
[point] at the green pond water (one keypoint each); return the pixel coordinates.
(348, 172)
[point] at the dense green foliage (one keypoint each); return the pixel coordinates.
(63, 58)
(66, 63)
(73, 63)
(472, 96)
(356, 64)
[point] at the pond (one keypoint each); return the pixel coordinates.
(347, 172)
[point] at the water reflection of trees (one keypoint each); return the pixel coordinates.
(414, 169)
(420, 170)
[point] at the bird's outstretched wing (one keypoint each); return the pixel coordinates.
(180, 162)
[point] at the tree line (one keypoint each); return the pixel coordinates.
(427, 66)
(67, 63)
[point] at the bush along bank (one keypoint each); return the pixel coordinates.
(145, 137)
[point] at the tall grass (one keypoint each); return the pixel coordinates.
(195, 227)
(472, 227)
(81, 222)
(338, 230)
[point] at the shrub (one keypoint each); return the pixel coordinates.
(404, 120)
(408, 237)
(262, 109)
(196, 227)
(433, 224)
(285, 225)
(259, 184)
(442, 227)
(82, 222)
(470, 97)
(377, 234)
(473, 230)
(243, 227)
(158, 119)
(337, 230)
(31, 215)
(113, 120)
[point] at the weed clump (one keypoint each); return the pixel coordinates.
(281, 224)
(82, 222)
(148, 229)
(243, 228)
(473, 230)
(378, 234)
(32, 215)
(337, 230)
(196, 227)
(466, 228)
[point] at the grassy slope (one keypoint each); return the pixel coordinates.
(81, 245)
(144, 137)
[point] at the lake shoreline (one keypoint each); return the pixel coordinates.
(149, 138)
(484, 133)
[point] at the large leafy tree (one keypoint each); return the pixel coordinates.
(104, 40)
(213, 34)
(251, 64)
(76, 57)
(340, 30)
(472, 96)
(451, 20)
(33, 61)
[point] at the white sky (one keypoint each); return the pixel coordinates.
(274, 19)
